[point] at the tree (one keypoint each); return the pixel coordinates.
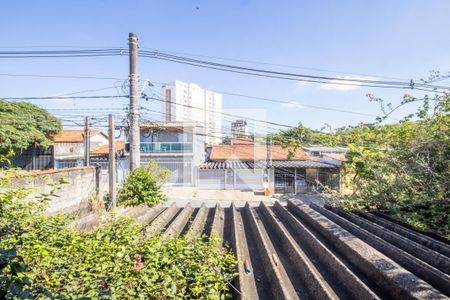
(226, 140)
(303, 136)
(403, 168)
(23, 124)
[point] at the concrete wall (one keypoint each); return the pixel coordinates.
(69, 150)
(76, 150)
(71, 197)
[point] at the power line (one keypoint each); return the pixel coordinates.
(236, 150)
(61, 76)
(88, 108)
(286, 75)
(224, 67)
(56, 46)
(61, 97)
(271, 64)
(266, 75)
(290, 102)
(222, 113)
(62, 53)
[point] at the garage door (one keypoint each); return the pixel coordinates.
(249, 179)
(211, 179)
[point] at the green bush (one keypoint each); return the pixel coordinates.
(143, 186)
(41, 257)
(403, 169)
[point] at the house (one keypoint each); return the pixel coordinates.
(176, 146)
(255, 167)
(69, 146)
(332, 155)
(68, 151)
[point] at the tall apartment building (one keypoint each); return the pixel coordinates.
(187, 102)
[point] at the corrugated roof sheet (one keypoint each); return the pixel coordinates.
(326, 149)
(301, 164)
(310, 252)
(220, 165)
(336, 156)
(254, 152)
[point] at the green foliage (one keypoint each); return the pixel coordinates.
(403, 169)
(41, 257)
(23, 124)
(303, 136)
(143, 186)
(226, 141)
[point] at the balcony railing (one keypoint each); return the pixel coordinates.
(163, 147)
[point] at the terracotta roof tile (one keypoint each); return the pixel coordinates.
(241, 141)
(254, 152)
(71, 136)
(104, 149)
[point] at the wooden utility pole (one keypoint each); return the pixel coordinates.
(87, 140)
(134, 131)
(112, 161)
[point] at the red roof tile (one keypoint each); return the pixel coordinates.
(254, 152)
(104, 149)
(241, 141)
(71, 136)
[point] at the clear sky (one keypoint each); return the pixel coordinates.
(375, 39)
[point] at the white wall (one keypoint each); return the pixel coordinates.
(191, 103)
(76, 150)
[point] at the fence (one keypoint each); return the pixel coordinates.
(34, 158)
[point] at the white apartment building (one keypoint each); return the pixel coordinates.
(187, 102)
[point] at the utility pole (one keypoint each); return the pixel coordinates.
(268, 164)
(134, 131)
(87, 140)
(112, 162)
(270, 151)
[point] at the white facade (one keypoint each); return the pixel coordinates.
(239, 128)
(187, 102)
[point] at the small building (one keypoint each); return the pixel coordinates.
(176, 146)
(68, 151)
(239, 128)
(69, 146)
(254, 167)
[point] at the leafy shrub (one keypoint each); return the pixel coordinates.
(143, 186)
(44, 258)
(403, 169)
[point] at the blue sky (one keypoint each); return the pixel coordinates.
(375, 39)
